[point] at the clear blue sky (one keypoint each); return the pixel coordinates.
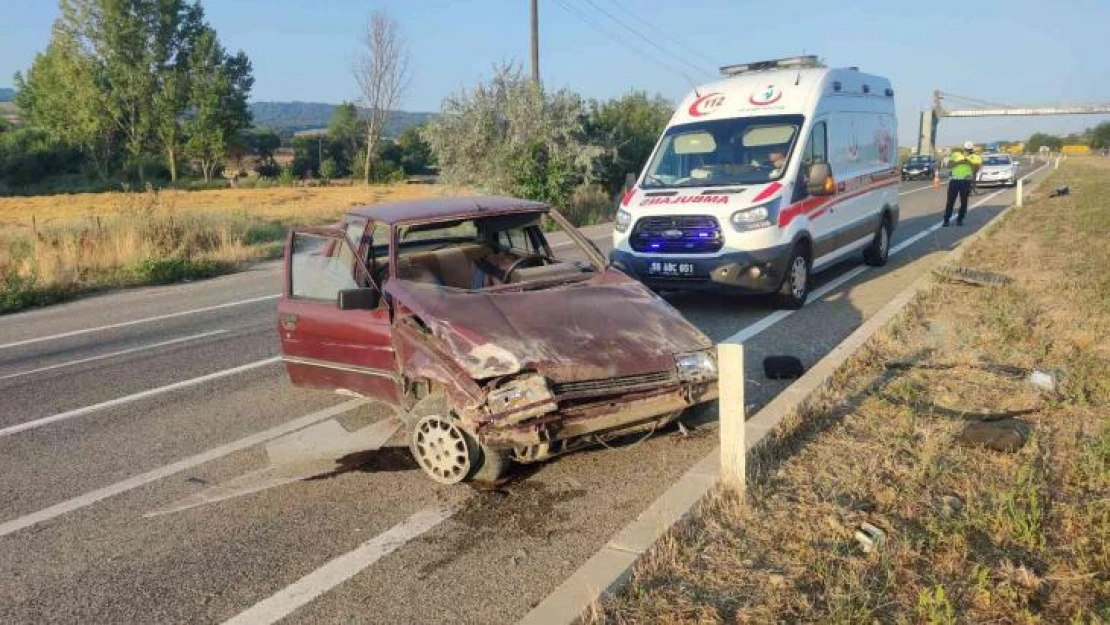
(1008, 51)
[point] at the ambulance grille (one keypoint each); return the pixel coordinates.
(677, 234)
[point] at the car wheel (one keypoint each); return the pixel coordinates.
(878, 252)
(442, 449)
(794, 289)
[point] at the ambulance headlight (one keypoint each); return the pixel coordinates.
(756, 217)
(623, 220)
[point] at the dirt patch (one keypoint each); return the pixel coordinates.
(969, 533)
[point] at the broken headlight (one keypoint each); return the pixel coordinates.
(696, 366)
(519, 392)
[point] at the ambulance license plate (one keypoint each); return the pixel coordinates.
(672, 269)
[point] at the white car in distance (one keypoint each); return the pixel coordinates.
(998, 169)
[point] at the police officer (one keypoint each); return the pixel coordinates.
(964, 165)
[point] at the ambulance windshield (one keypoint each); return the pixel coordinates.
(743, 150)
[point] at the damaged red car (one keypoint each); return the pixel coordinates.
(497, 330)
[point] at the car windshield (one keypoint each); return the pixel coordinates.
(744, 150)
(488, 252)
(996, 160)
(917, 162)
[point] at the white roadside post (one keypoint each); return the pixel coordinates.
(730, 384)
(1020, 195)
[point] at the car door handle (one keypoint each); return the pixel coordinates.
(289, 322)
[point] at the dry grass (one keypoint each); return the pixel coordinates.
(52, 247)
(973, 535)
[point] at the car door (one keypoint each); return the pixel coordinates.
(324, 346)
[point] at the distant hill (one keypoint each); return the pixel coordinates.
(289, 117)
(7, 94)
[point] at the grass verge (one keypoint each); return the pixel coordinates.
(972, 534)
(56, 247)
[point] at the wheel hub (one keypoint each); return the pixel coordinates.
(798, 277)
(441, 449)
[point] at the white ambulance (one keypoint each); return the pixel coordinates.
(778, 170)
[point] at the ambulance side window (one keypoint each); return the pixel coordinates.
(816, 151)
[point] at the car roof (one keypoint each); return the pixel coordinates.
(439, 208)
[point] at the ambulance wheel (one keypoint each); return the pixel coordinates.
(795, 284)
(877, 253)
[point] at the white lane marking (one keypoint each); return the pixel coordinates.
(130, 483)
(755, 328)
(69, 414)
(916, 190)
(124, 324)
(339, 570)
(122, 352)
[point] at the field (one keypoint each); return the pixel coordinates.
(54, 247)
(971, 534)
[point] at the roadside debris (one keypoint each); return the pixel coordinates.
(1060, 190)
(1043, 380)
(1006, 435)
(783, 367)
(972, 276)
(869, 537)
(950, 505)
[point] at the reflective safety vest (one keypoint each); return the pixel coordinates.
(964, 166)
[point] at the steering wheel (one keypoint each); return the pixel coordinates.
(518, 263)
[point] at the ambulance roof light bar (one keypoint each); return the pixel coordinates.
(793, 62)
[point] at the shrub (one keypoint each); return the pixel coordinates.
(285, 178)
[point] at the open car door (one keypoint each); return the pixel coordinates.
(334, 325)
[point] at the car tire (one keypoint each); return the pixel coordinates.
(794, 289)
(490, 465)
(877, 253)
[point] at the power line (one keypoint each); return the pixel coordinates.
(641, 36)
(663, 33)
(622, 42)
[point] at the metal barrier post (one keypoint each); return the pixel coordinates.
(730, 366)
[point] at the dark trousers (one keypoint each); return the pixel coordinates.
(959, 188)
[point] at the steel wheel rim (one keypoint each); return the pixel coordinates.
(798, 277)
(441, 449)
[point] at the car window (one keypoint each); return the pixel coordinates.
(379, 245)
(356, 227)
(321, 266)
(816, 151)
(996, 160)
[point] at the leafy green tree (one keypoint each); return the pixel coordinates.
(219, 87)
(484, 136)
(415, 153)
(627, 128)
(1041, 139)
(1100, 136)
(60, 95)
(116, 80)
(346, 133)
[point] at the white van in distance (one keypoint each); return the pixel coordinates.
(778, 170)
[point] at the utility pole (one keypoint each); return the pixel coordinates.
(535, 42)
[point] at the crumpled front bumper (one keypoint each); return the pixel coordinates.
(598, 416)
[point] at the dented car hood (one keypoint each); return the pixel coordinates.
(607, 326)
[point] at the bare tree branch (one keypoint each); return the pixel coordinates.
(381, 69)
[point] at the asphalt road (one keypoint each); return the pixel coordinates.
(122, 404)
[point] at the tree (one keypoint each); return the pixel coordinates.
(116, 79)
(381, 70)
(1100, 136)
(219, 87)
(627, 128)
(346, 132)
(415, 153)
(261, 143)
(1040, 139)
(488, 137)
(60, 96)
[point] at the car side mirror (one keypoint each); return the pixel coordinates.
(358, 299)
(820, 180)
